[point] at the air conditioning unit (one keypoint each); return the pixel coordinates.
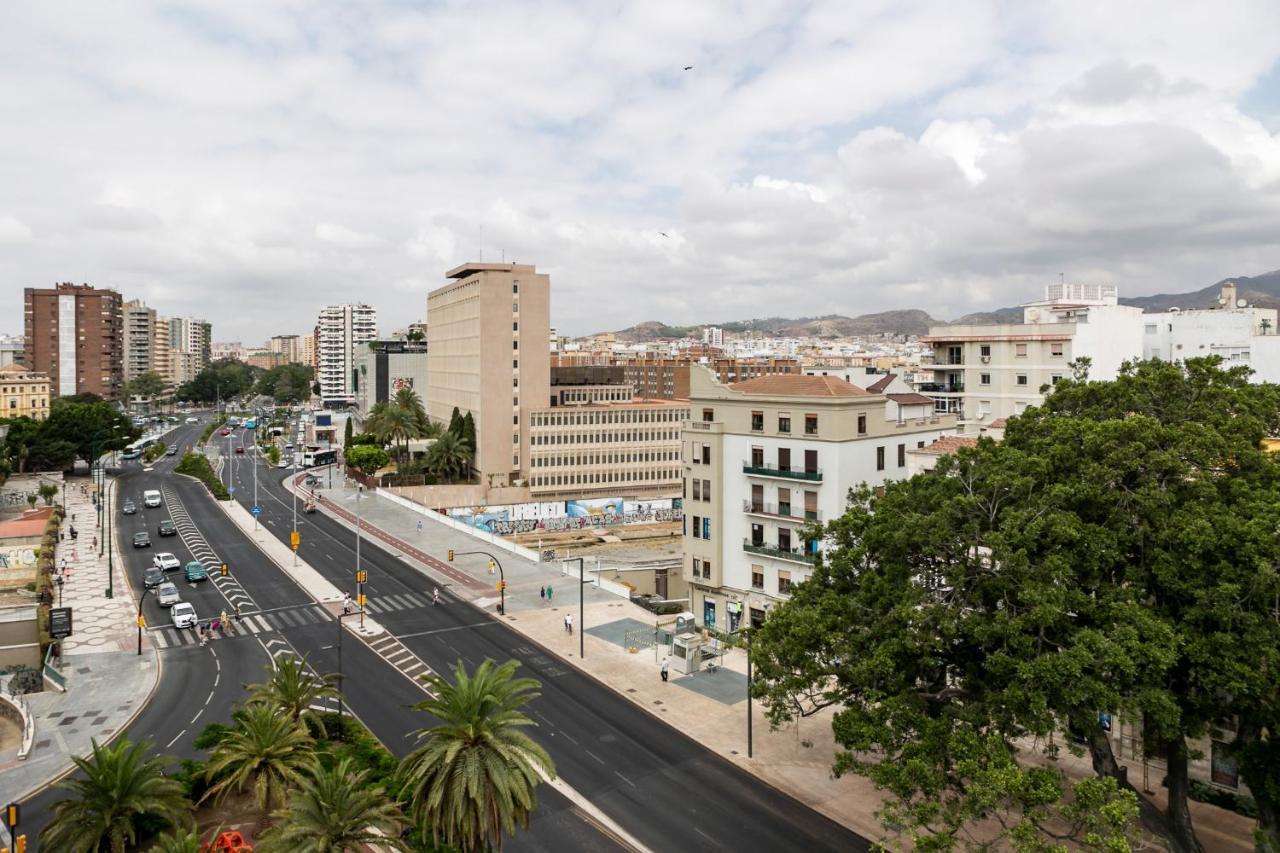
(986, 359)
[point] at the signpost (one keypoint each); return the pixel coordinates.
(59, 622)
(295, 539)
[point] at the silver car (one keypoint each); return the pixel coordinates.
(167, 594)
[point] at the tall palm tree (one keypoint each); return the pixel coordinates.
(333, 810)
(449, 458)
(266, 750)
(292, 687)
(399, 425)
(408, 399)
(117, 786)
(474, 776)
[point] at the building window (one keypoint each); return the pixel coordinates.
(757, 457)
(1055, 379)
(706, 490)
(810, 424)
(1020, 350)
(879, 458)
(706, 454)
(984, 378)
(697, 527)
(784, 582)
(1022, 379)
(757, 421)
(784, 422)
(697, 489)
(706, 528)
(515, 288)
(515, 325)
(515, 345)
(515, 438)
(708, 415)
(1150, 328)
(902, 456)
(1055, 349)
(757, 577)
(862, 424)
(696, 456)
(985, 350)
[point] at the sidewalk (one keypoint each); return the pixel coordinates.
(709, 707)
(108, 684)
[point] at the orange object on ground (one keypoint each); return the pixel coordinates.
(227, 842)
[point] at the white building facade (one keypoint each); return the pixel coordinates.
(340, 329)
(766, 458)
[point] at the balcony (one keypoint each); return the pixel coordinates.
(779, 511)
(778, 553)
(763, 470)
(941, 387)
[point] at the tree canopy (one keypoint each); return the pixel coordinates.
(223, 379)
(367, 458)
(287, 384)
(1117, 552)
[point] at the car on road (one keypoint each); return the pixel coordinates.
(225, 431)
(239, 449)
(311, 481)
(288, 446)
(194, 572)
(152, 577)
(193, 420)
(283, 463)
(151, 497)
(165, 561)
(172, 451)
(184, 615)
(129, 508)
(167, 528)
(167, 594)
(142, 540)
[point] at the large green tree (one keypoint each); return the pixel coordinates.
(449, 458)
(116, 789)
(335, 809)
(475, 775)
(287, 384)
(88, 427)
(367, 459)
(292, 688)
(1115, 553)
(148, 386)
(224, 379)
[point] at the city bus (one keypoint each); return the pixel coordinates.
(314, 457)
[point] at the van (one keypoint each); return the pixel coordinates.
(151, 497)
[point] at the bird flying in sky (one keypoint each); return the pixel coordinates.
(688, 68)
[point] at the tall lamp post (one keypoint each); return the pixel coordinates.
(582, 581)
(341, 695)
(359, 584)
(141, 599)
(748, 634)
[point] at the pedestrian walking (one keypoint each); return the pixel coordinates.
(222, 620)
(666, 666)
(200, 631)
(435, 596)
(548, 593)
(565, 620)
(237, 612)
(542, 593)
(569, 620)
(346, 602)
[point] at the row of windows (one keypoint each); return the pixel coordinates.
(617, 416)
(784, 579)
(604, 437)
(701, 568)
(701, 490)
(605, 458)
(1019, 378)
(34, 389)
(784, 423)
(701, 527)
(583, 478)
(39, 402)
(1056, 348)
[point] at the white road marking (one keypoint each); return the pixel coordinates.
(175, 738)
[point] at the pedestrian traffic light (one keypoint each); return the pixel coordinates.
(361, 600)
(11, 815)
(142, 621)
(498, 586)
(450, 555)
(362, 576)
(492, 566)
(21, 844)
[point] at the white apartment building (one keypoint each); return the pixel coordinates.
(982, 373)
(1232, 331)
(339, 330)
(193, 338)
(764, 458)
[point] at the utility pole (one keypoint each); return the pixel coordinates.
(748, 633)
(582, 581)
(110, 579)
(359, 585)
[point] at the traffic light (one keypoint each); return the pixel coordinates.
(11, 815)
(362, 576)
(142, 621)
(497, 585)
(21, 844)
(362, 600)
(450, 555)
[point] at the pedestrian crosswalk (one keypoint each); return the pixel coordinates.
(248, 624)
(390, 603)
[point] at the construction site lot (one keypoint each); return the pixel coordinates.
(653, 535)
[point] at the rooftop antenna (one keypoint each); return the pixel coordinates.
(1062, 278)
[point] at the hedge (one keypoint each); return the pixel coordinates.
(197, 465)
(208, 430)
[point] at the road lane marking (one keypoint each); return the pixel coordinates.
(624, 778)
(175, 738)
(593, 755)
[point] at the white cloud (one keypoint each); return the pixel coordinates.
(250, 162)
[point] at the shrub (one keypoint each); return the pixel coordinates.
(1215, 796)
(196, 465)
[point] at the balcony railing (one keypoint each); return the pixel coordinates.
(779, 511)
(763, 470)
(780, 553)
(941, 387)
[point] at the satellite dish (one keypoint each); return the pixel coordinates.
(1240, 303)
(1222, 300)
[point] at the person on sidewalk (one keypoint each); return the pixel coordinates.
(435, 596)
(568, 618)
(346, 602)
(666, 667)
(565, 620)
(548, 593)
(419, 526)
(542, 593)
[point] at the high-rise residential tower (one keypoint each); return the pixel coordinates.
(74, 334)
(339, 330)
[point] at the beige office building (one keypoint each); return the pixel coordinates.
(24, 393)
(289, 346)
(487, 354)
(308, 349)
(139, 338)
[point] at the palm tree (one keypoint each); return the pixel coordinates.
(449, 458)
(475, 775)
(334, 810)
(116, 787)
(399, 425)
(179, 841)
(266, 750)
(408, 399)
(292, 688)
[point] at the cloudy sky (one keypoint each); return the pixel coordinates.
(248, 162)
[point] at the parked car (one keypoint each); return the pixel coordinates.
(152, 577)
(167, 528)
(312, 481)
(194, 572)
(166, 561)
(184, 615)
(129, 508)
(283, 463)
(142, 540)
(167, 594)
(193, 420)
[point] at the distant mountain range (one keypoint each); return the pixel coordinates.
(1261, 290)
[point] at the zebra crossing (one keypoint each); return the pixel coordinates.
(390, 603)
(249, 624)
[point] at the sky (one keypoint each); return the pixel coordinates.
(249, 162)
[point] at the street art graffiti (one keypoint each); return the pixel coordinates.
(557, 516)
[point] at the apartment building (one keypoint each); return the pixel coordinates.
(264, 358)
(162, 350)
(192, 338)
(219, 350)
(667, 378)
(981, 373)
(307, 347)
(340, 330)
(289, 346)
(597, 440)
(23, 393)
(11, 347)
(1235, 331)
(765, 458)
(487, 317)
(139, 330)
(73, 335)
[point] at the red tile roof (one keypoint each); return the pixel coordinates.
(798, 385)
(948, 444)
(912, 399)
(999, 423)
(882, 383)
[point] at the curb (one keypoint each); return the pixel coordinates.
(142, 706)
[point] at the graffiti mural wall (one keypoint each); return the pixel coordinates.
(555, 516)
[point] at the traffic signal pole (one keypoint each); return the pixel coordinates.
(502, 578)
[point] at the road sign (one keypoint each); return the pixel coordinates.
(232, 490)
(256, 510)
(60, 622)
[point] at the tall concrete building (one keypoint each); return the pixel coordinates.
(487, 317)
(339, 330)
(194, 338)
(11, 347)
(139, 328)
(290, 346)
(162, 351)
(74, 334)
(307, 349)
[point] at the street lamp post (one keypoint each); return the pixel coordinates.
(748, 633)
(582, 581)
(502, 577)
(341, 695)
(111, 590)
(359, 585)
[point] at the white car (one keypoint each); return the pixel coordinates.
(193, 420)
(284, 463)
(166, 562)
(184, 615)
(167, 594)
(151, 497)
